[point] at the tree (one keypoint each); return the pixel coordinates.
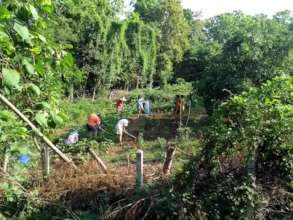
(168, 17)
(238, 50)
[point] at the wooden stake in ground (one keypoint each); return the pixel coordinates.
(139, 169)
(168, 161)
(5, 160)
(46, 161)
(128, 164)
(98, 160)
(37, 131)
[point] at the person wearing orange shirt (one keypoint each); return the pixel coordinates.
(93, 123)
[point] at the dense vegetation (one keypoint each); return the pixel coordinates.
(60, 59)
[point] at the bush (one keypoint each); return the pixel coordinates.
(258, 123)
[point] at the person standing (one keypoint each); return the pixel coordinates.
(177, 105)
(140, 103)
(93, 123)
(120, 104)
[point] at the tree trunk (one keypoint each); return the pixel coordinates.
(168, 161)
(94, 93)
(71, 92)
(251, 171)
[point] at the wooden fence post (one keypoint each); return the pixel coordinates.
(5, 160)
(128, 164)
(46, 161)
(168, 161)
(139, 169)
(36, 130)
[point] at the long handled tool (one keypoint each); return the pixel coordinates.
(130, 135)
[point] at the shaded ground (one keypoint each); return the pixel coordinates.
(156, 125)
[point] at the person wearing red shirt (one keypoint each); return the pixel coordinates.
(177, 105)
(120, 104)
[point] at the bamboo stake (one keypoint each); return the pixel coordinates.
(128, 164)
(36, 130)
(5, 160)
(99, 161)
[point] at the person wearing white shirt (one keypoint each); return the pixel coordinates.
(121, 128)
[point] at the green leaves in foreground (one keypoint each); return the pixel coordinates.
(41, 119)
(22, 31)
(10, 78)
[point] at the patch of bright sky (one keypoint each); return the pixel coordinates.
(210, 8)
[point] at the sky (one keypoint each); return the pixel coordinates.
(211, 8)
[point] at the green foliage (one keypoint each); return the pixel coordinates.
(234, 51)
(258, 121)
(10, 78)
(168, 92)
(167, 16)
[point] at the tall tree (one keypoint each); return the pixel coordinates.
(168, 17)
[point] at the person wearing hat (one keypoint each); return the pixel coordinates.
(93, 123)
(120, 104)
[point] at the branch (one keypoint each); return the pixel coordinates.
(36, 130)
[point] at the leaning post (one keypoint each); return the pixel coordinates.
(139, 169)
(46, 161)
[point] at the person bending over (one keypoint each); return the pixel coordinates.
(93, 123)
(121, 128)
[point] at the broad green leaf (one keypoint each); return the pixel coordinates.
(34, 12)
(42, 38)
(45, 105)
(6, 42)
(41, 119)
(28, 66)
(11, 78)
(6, 115)
(22, 31)
(68, 60)
(57, 119)
(4, 13)
(21, 131)
(35, 89)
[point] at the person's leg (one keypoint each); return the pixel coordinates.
(120, 138)
(92, 130)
